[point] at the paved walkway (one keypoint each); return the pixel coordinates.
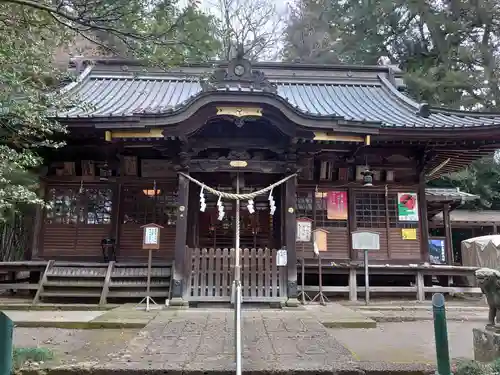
(274, 340)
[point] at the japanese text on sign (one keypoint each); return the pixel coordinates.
(151, 236)
(304, 228)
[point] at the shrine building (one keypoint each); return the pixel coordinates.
(362, 152)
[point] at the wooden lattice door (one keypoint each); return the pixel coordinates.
(143, 205)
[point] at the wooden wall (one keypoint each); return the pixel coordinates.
(76, 221)
(137, 209)
(81, 215)
(371, 209)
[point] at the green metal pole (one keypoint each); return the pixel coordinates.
(441, 335)
(6, 330)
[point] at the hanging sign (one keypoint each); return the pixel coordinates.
(364, 240)
(151, 236)
(320, 240)
(336, 205)
(304, 229)
(281, 258)
(409, 233)
(407, 207)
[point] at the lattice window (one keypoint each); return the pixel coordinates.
(63, 206)
(305, 204)
(70, 205)
(97, 206)
(370, 210)
(393, 214)
(322, 219)
(143, 206)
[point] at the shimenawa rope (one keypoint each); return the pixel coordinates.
(237, 196)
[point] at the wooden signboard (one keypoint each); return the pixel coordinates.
(365, 240)
(151, 236)
(320, 239)
(304, 227)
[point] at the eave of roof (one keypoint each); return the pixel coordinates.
(468, 216)
(327, 94)
(448, 194)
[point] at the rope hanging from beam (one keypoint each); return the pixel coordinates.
(233, 196)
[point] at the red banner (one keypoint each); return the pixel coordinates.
(336, 205)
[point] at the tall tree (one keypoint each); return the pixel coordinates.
(254, 24)
(30, 30)
(482, 178)
(310, 37)
(448, 49)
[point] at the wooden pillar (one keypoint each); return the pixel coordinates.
(290, 240)
(180, 276)
(424, 220)
(38, 227)
(351, 223)
(495, 228)
(447, 233)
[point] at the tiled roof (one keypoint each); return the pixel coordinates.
(462, 216)
(370, 98)
(448, 194)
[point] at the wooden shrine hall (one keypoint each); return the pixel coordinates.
(362, 150)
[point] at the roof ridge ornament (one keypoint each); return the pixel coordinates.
(239, 75)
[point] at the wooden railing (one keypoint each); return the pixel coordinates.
(418, 273)
(212, 274)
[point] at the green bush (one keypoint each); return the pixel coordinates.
(495, 367)
(470, 368)
(22, 355)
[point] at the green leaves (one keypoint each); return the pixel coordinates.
(26, 78)
(449, 51)
(31, 32)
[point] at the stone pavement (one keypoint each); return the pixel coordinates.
(202, 340)
(287, 340)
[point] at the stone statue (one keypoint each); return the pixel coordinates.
(488, 280)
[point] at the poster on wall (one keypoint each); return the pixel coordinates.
(336, 205)
(407, 207)
(437, 250)
(304, 229)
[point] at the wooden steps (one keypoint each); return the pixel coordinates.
(70, 282)
(101, 282)
(131, 282)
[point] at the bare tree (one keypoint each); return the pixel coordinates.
(256, 25)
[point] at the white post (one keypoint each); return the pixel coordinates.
(237, 282)
(148, 283)
(367, 280)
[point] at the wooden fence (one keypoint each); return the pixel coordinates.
(212, 274)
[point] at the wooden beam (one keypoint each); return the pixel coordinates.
(447, 233)
(109, 135)
(105, 288)
(325, 136)
(179, 276)
(43, 280)
(423, 221)
(290, 239)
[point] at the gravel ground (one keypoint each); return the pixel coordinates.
(72, 346)
(408, 342)
(411, 342)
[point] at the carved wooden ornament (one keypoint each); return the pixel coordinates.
(239, 111)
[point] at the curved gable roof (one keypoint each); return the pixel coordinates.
(358, 94)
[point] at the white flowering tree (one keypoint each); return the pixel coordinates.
(31, 32)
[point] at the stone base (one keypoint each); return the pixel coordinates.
(486, 344)
(178, 302)
(292, 302)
